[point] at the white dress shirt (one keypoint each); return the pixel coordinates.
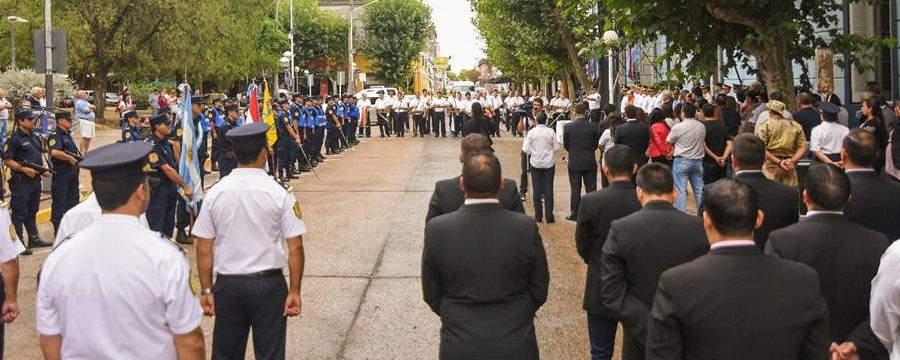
(10, 245)
(541, 144)
(81, 216)
(884, 309)
(117, 290)
(439, 103)
(828, 137)
(248, 215)
(594, 101)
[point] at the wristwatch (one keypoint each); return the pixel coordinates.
(207, 291)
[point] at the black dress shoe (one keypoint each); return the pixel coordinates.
(292, 176)
(551, 220)
(538, 220)
(572, 217)
(38, 243)
(27, 252)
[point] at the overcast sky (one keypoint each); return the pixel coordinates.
(457, 36)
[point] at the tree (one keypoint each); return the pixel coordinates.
(472, 75)
(776, 33)
(397, 31)
(320, 35)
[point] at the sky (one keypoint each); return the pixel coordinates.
(457, 36)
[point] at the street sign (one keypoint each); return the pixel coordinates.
(60, 51)
(440, 62)
(340, 77)
(309, 79)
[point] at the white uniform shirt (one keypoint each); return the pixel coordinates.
(249, 216)
(541, 144)
(467, 105)
(496, 102)
(510, 102)
(117, 290)
(438, 104)
(594, 101)
(10, 245)
(401, 105)
(81, 216)
(828, 137)
(363, 103)
(421, 105)
(381, 104)
(884, 309)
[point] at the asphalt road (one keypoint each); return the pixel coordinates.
(362, 293)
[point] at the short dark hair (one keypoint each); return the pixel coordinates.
(732, 206)
(688, 110)
(114, 192)
(541, 118)
(581, 108)
(655, 179)
(776, 96)
(475, 143)
(709, 110)
(619, 159)
(631, 112)
(861, 147)
(481, 174)
(247, 150)
(829, 117)
(828, 186)
(749, 151)
(804, 98)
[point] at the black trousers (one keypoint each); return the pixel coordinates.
(384, 125)
(400, 120)
(543, 190)
(161, 211)
(576, 177)
(64, 191)
(523, 178)
(24, 203)
(439, 124)
(244, 303)
(496, 129)
(419, 127)
(595, 116)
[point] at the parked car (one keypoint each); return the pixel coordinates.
(111, 98)
(372, 92)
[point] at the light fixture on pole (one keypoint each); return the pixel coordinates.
(285, 64)
(12, 39)
(610, 38)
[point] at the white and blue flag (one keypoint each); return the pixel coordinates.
(189, 164)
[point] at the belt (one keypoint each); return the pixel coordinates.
(261, 274)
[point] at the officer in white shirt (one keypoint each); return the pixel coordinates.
(246, 222)
(401, 114)
(439, 105)
(827, 138)
(117, 290)
(383, 109)
(540, 146)
(10, 249)
(417, 114)
(364, 104)
(81, 216)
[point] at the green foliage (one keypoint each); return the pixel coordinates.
(140, 91)
(318, 34)
(469, 75)
(18, 84)
(397, 31)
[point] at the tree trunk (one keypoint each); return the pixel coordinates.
(776, 68)
(100, 84)
(568, 41)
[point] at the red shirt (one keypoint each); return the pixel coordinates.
(658, 145)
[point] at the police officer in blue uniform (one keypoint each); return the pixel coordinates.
(297, 117)
(287, 140)
(132, 131)
(163, 191)
(201, 124)
(64, 157)
(217, 113)
(309, 131)
(22, 154)
(321, 121)
(340, 107)
(332, 126)
(227, 162)
(353, 122)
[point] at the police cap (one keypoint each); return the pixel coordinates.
(829, 108)
(24, 114)
(283, 102)
(247, 131)
(159, 119)
(231, 108)
(198, 100)
(63, 115)
(115, 160)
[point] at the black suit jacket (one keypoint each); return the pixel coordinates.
(484, 271)
(777, 201)
(598, 210)
(874, 203)
(636, 135)
(580, 139)
(846, 257)
(736, 303)
(448, 197)
(638, 249)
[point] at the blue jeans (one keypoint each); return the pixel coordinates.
(3, 125)
(682, 171)
(602, 335)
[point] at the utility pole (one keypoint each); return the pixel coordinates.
(291, 36)
(48, 75)
(351, 83)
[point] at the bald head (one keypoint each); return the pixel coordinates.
(481, 176)
(859, 149)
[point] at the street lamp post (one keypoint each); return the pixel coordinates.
(291, 37)
(285, 62)
(610, 37)
(308, 83)
(12, 39)
(351, 72)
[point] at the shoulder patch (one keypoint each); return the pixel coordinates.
(52, 142)
(178, 132)
(127, 134)
(12, 233)
(6, 147)
(153, 157)
(297, 212)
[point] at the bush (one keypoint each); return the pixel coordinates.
(141, 91)
(18, 84)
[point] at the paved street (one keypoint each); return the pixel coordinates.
(361, 293)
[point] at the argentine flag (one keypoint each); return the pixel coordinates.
(189, 164)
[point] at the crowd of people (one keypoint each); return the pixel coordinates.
(773, 264)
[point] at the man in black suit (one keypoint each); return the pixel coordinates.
(845, 256)
(777, 201)
(491, 315)
(580, 138)
(598, 210)
(635, 134)
(874, 201)
(736, 303)
(641, 246)
(448, 195)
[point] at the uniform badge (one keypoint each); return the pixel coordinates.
(52, 142)
(5, 147)
(178, 132)
(297, 211)
(128, 135)
(153, 158)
